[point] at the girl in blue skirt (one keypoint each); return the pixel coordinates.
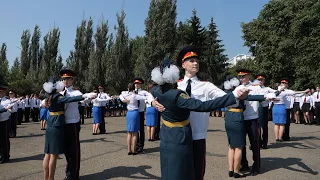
(279, 112)
(151, 118)
(132, 117)
(54, 139)
(44, 114)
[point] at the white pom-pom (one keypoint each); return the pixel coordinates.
(48, 87)
(59, 85)
(156, 76)
(234, 82)
(227, 85)
(171, 75)
(256, 82)
(43, 103)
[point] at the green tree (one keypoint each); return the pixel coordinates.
(160, 34)
(4, 63)
(119, 61)
(285, 39)
(214, 57)
(25, 61)
(34, 52)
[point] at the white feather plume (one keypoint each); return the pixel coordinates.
(59, 86)
(171, 75)
(256, 82)
(156, 76)
(234, 82)
(227, 85)
(48, 87)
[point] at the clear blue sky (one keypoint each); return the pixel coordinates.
(18, 15)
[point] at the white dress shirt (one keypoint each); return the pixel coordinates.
(285, 98)
(204, 91)
(35, 103)
(27, 102)
(5, 115)
(316, 96)
(309, 100)
(15, 105)
(101, 100)
(134, 98)
(71, 111)
(265, 90)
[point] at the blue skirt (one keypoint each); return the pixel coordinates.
(133, 121)
(279, 114)
(97, 118)
(152, 116)
(44, 114)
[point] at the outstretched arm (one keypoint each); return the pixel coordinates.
(185, 102)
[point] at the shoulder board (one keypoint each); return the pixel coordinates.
(184, 96)
(180, 80)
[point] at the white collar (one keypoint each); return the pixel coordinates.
(193, 79)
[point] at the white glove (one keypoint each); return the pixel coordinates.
(270, 96)
(89, 95)
(281, 88)
(239, 91)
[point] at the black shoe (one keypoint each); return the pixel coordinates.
(245, 168)
(286, 139)
(237, 175)
(264, 147)
(140, 150)
(129, 153)
(254, 173)
(134, 153)
(230, 173)
(4, 160)
(280, 140)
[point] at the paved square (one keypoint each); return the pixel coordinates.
(105, 156)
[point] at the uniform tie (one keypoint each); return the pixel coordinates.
(188, 90)
(28, 101)
(99, 95)
(36, 101)
(318, 95)
(305, 99)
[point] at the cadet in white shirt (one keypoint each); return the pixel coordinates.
(4, 123)
(296, 108)
(35, 106)
(14, 114)
(72, 126)
(27, 108)
(306, 103)
(264, 111)
(101, 103)
(188, 59)
(316, 100)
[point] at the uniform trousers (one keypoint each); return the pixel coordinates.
(141, 135)
(26, 114)
(13, 124)
(157, 130)
(72, 150)
(317, 112)
(199, 158)
(286, 133)
(81, 112)
(4, 140)
(264, 126)
(20, 114)
(102, 127)
(252, 129)
(35, 114)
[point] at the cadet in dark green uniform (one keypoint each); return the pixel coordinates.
(176, 144)
(54, 139)
(234, 124)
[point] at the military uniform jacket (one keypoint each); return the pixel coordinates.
(57, 105)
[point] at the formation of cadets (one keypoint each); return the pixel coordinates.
(184, 106)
